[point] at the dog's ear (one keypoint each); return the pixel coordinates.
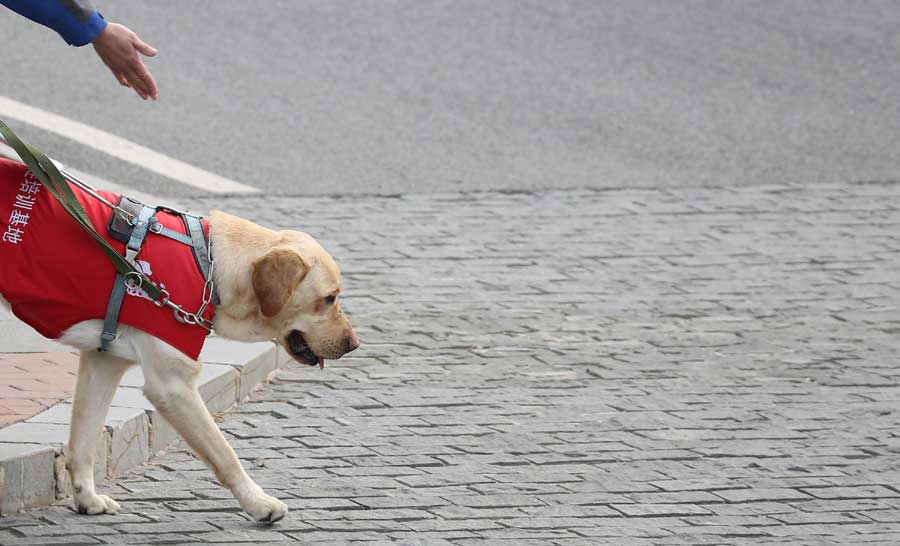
(275, 275)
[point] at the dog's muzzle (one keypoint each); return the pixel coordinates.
(301, 351)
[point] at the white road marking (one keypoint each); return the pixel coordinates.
(121, 148)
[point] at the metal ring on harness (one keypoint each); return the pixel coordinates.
(130, 276)
(183, 316)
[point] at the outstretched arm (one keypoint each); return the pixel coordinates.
(75, 20)
(79, 23)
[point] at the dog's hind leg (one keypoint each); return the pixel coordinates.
(98, 376)
(170, 386)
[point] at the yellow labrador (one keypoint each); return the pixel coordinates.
(272, 284)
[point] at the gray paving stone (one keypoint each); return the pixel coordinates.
(657, 510)
(756, 495)
(401, 499)
(858, 492)
(84, 528)
(248, 535)
(69, 540)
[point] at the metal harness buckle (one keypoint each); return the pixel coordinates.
(163, 298)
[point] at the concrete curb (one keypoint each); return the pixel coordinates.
(33, 453)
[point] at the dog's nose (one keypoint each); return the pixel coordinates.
(351, 342)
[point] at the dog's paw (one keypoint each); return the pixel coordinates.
(266, 508)
(96, 504)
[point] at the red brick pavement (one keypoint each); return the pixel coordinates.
(33, 382)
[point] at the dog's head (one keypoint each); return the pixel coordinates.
(298, 285)
(279, 284)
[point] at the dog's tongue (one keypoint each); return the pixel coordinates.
(321, 363)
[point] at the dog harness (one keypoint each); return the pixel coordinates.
(55, 275)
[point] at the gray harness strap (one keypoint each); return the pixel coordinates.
(200, 246)
(114, 307)
(133, 232)
(160, 229)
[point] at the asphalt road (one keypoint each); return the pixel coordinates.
(392, 97)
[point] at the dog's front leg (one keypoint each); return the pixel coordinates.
(98, 376)
(169, 385)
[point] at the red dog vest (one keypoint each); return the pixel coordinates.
(55, 275)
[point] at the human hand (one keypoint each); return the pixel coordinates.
(118, 47)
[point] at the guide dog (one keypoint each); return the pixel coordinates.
(278, 285)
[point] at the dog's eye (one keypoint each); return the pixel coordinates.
(330, 299)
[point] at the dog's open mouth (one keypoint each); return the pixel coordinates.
(301, 350)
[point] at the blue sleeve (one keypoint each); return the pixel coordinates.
(75, 20)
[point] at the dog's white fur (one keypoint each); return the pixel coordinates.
(269, 283)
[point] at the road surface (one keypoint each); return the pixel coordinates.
(301, 97)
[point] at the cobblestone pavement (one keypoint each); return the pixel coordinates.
(693, 366)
